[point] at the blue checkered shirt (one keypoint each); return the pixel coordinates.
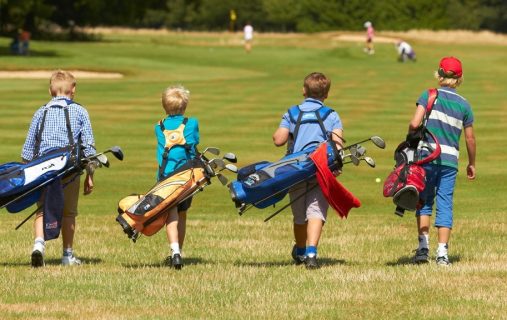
(54, 134)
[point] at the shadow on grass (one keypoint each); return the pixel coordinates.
(162, 264)
(409, 260)
(50, 262)
(5, 51)
(324, 262)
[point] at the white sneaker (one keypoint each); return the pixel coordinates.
(70, 261)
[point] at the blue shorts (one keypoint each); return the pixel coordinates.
(440, 182)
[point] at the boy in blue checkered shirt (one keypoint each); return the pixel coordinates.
(62, 87)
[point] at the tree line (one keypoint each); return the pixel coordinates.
(42, 16)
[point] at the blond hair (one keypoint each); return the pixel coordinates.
(175, 100)
(316, 86)
(448, 82)
(61, 83)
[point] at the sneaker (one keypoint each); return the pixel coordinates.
(168, 261)
(70, 261)
(312, 263)
(443, 261)
(177, 262)
(297, 258)
(37, 259)
(422, 255)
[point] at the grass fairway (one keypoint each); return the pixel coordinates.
(240, 267)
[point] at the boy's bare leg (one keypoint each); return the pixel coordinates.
(68, 230)
(314, 231)
(423, 224)
(182, 227)
(38, 226)
(37, 257)
(172, 226)
(444, 234)
(300, 234)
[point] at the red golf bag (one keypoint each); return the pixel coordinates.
(408, 179)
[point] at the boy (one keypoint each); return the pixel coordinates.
(405, 51)
(450, 115)
(54, 134)
(310, 211)
(248, 37)
(177, 139)
(370, 34)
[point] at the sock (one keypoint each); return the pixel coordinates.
(175, 248)
(424, 241)
(300, 251)
(68, 252)
(311, 251)
(39, 244)
(442, 249)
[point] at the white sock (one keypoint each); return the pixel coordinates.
(68, 252)
(424, 241)
(175, 248)
(442, 249)
(39, 244)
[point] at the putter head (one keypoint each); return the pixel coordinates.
(369, 161)
(102, 158)
(231, 168)
(222, 179)
(378, 141)
(212, 150)
(116, 151)
(231, 157)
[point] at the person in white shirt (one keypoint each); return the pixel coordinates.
(405, 51)
(248, 37)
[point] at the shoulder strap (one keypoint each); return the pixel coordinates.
(38, 138)
(165, 155)
(432, 98)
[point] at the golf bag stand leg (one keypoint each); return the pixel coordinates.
(399, 211)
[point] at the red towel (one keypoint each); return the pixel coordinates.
(341, 199)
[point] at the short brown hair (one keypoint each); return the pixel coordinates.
(61, 82)
(175, 100)
(317, 85)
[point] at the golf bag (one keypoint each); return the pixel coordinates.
(405, 183)
(148, 213)
(265, 183)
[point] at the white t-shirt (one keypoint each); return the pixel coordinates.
(248, 30)
(404, 47)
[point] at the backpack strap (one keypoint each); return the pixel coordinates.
(172, 138)
(435, 153)
(296, 117)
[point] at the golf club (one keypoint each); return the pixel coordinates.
(231, 157)
(212, 150)
(222, 179)
(377, 141)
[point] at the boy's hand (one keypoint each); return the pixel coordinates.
(471, 172)
(337, 172)
(88, 184)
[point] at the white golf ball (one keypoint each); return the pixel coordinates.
(377, 180)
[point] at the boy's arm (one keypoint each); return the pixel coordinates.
(28, 147)
(87, 135)
(470, 142)
(337, 137)
(417, 118)
(280, 136)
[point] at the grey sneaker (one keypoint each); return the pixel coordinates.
(422, 255)
(312, 263)
(443, 261)
(70, 261)
(297, 258)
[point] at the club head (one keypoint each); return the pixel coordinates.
(354, 159)
(378, 141)
(231, 157)
(217, 164)
(222, 179)
(116, 151)
(212, 150)
(369, 161)
(231, 168)
(102, 158)
(360, 151)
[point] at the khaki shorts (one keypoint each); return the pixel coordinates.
(70, 196)
(312, 205)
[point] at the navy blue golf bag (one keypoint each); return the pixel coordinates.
(265, 183)
(21, 183)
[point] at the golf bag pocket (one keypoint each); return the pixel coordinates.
(404, 184)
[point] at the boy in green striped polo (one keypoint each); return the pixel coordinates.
(451, 115)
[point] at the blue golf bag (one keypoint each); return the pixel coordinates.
(265, 183)
(21, 183)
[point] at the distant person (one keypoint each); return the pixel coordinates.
(451, 115)
(24, 42)
(309, 206)
(370, 34)
(60, 123)
(405, 51)
(248, 37)
(172, 155)
(232, 20)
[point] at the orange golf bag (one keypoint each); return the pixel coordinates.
(148, 213)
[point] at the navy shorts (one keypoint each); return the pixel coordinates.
(185, 205)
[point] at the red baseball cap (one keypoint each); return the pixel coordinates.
(450, 67)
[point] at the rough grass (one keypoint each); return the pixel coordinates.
(240, 267)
